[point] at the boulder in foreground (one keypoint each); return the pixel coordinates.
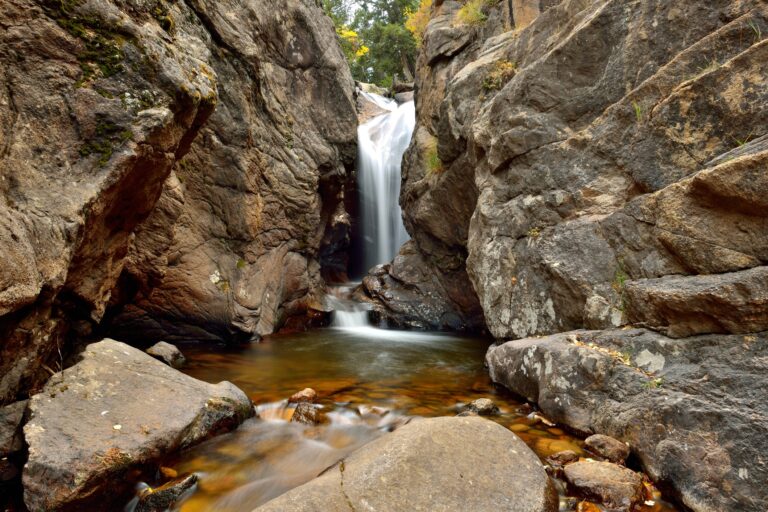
(116, 411)
(430, 465)
(693, 410)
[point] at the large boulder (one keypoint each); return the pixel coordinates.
(86, 437)
(693, 410)
(430, 465)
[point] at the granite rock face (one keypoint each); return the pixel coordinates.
(168, 169)
(429, 465)
(97, 104)
(593, 164)
(237, 242)
(583, 188)
(410, 293)
(693, 410)
(85, 437)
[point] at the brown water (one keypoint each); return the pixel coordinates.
(369, 382)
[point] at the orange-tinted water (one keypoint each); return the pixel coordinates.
(369, 382)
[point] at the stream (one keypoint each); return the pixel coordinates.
(369, 382)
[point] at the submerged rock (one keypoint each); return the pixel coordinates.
(165, 496)
(429, 465)
(115, 411)
(608, 483)
(693, 410)
(608, 447)
(167, 353)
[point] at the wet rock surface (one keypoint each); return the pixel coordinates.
(164, 497)
(167, 353)
(482, 407)
(85, 437)
(428, 465)
(692, 410)
(410, 293)
(560, 459)
(612, 485)
(308, 414)
(608, 447)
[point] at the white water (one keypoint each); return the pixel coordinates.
(381, 144)
(347, 314)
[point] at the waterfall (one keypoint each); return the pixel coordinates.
(381, 144)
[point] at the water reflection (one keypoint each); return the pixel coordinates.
(369, 381)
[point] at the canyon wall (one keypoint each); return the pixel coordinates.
(585, 168)
(599, 164)
(168, 169)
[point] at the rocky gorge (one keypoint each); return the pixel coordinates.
(586, 183)
(601, 164)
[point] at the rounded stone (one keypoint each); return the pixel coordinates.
(447, 464)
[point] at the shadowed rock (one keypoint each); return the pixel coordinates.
(608, 447)
(167, 353)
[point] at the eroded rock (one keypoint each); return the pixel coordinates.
(85, 436)
(482, 407)
(255, 213)
(11, 439)
(97, 105)
(562, 458)
(429, 465)
(691, 409)
(308, 414)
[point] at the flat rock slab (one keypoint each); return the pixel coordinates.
(694, 410)
(610, 484)
(438, 464)
(734, 302)
(116, 410)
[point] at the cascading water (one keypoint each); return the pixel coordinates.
(381, 144)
